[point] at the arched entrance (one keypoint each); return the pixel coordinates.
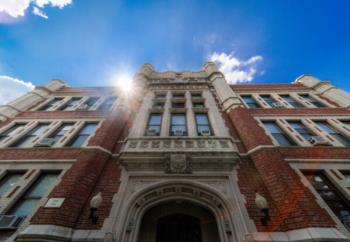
(178, 221)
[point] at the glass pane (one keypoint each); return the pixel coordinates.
(178, 119)
(268, 99)
(79, 141)
(202, 119)
(272, 127)
(88, 129)
(9, 132)
(283, 140)
(342, 139)
(91, 101)
(42, 186)
(155, 119)
(38, 129)
(51, 103)
(8, 182)
(325, 126)
(25, 207)
(26, 141)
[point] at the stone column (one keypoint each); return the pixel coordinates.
(227, 98)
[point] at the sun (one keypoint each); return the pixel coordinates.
(124, 81)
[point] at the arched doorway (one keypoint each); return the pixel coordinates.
(178, 221)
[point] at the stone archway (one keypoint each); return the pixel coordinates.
(172, 191)
(178, 221)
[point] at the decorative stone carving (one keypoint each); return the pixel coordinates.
(167, 144)
(224, 144)
(144, 144)
(177, 163)
(133, 144)
(155, 144)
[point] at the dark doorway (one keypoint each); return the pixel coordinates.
(178, 228)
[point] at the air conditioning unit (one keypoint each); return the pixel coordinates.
(179, 133)
(45, 142)
(9, 221)
(318, 140)
(205, 133)
(152, 132)
(277, 105)
(83, 107)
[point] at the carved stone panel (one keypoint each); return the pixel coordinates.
(177, 163)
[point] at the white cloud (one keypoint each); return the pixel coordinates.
(17, 8)
(234, 69)
(12, 88)
(38, 12)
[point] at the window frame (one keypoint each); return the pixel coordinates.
(77, 134)
(20, 140)
(172, 125)
(283, 133)
(247, 104)
(208, 125)
(148, 124)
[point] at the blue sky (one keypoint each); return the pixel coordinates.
(88, 42)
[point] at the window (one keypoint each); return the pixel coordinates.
(278, 134)
(158, 105)
(346, 122)
(198, 105)
(154, 124)
(312, 100)
(301, 129)
(61, 131)
(248, 99)
(107, 104)
(71, 103)
(178, 124)
(91, 101)
(178, 104)
(292, 101)
(9, 181)
(27, 139)
(10, 131)
(51, 104)
(30, 200)
(268, 99)
(160, 95)
(332, 197)
(178, 95)
(346, 174)
(83, 135)
(196, 95)
(333, 132)
(203, 126)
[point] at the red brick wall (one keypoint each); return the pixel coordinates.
(293, 206)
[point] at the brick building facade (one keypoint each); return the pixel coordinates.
(181, 158)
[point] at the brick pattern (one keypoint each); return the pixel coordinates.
(293, 206)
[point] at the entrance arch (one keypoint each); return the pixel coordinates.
(178, 221)
(171, 192)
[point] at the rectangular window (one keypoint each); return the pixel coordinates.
(10, 131)
(30, 200)
(83, 135)
(312, 100)
(178, 95)
(51, 103)
(91, 101)
(160, 95)
(71, 103)
(346, 122)
(198, 105)
(301, 129)
(107, 104)
(268, 99)
(158, 105)
(332, 197)
(9, 181)
(333, 132)
(248, 99)
(154, 124)
(178, 105)
(292, 101)
(60, 131)
(27, 139)
(203, 126)
(196, 95)
(178, 124)
(280, 136)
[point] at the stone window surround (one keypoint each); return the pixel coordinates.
(54, 124)
(282, 122)
(188, 110)
(84, 98)
(33, 169)
(256, 96)
(332, 169)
